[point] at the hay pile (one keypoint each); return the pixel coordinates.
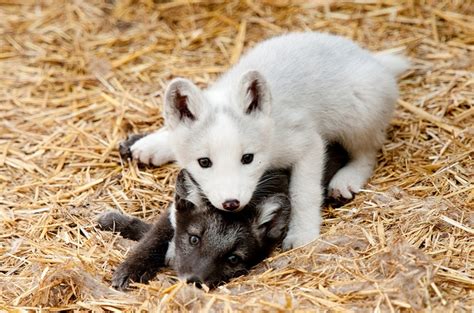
(77, 76)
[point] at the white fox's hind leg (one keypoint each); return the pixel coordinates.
(362, 140)
(351, 178)
(306, 197)
(153, 149)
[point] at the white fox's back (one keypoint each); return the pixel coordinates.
(323, 82)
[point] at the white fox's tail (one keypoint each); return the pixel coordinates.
(395, 63)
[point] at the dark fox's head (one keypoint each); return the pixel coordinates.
(213, 246)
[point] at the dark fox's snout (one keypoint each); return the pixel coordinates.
(195, 280)
(209, 283)
(231, 205)
(206, 273)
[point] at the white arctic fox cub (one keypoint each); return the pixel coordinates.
(275, 109)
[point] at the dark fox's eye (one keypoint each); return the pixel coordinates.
(233, 259)
(247, 158)
(194, 240)
(205, 162)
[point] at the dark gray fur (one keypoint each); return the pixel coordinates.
(248, 236)
(222, 235)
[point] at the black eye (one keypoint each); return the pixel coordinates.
(233, 259)
(247, 158)
(194, 240)
(205, 162)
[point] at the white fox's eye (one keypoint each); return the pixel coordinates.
(247, 158)
(205, 162)
(194, 240)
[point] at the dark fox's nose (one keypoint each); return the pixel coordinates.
(231, 205)
(194, 280)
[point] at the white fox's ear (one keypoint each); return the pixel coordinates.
(254, 93)
(183, 102)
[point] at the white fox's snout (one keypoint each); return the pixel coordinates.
(231, 204)
(232, 199)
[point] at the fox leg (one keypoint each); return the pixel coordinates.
(351, 178)
(129, 227)
(147, 257)
(306, 195)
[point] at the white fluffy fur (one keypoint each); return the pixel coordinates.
(154, 148)
(170, 253)
(312, 88)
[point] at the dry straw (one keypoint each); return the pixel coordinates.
(77, 76)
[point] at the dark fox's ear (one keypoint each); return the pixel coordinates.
(182, 184)
(273, 218)
(254, 93)
(183, 102)
(183, 205)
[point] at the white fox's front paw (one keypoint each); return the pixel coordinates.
(299, 237)
(346, 183)
(146, 151)
(152, 149)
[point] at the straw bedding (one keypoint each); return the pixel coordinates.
(77, 76)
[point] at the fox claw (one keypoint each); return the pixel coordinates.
(126, 145)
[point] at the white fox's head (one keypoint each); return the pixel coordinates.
(222, 137)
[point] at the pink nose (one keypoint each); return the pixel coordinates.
(231, 205)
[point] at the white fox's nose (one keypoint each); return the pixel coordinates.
(231, 205)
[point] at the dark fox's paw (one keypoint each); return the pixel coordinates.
(111, 221)
(129, 272)
(129, 227)
(122, 276)
(124, 146)
(120, 280)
